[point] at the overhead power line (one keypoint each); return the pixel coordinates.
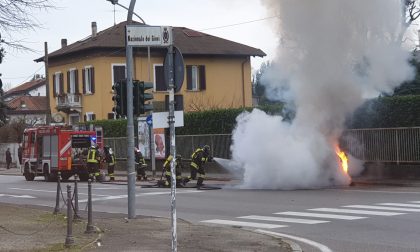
(242, 23)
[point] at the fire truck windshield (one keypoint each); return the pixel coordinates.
(79, 141)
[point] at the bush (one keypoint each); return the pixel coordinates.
(388, 112)
(218, 121)
(112, 128)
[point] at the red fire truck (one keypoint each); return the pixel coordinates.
(50, 149)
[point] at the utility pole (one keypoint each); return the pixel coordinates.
(171, 121)
(131, 173)
(47, 84)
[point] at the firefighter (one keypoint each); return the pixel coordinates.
(93, 160)
(178, 170)
(199, 157)
(110, 160)
(140, 165)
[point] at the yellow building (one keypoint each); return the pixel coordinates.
(81, 75)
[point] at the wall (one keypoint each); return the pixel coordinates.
(228, 83)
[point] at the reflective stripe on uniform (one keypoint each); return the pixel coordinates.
(92, 157)
(194, 165)
(195, 153)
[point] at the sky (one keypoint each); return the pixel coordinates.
(245, 22)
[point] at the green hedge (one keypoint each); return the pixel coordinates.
(112, 128)
(220, 121)
(388, 112)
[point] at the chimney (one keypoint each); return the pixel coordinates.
(63, 43)
(94, 29)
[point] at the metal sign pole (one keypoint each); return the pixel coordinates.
(131, 174)
(171, 121)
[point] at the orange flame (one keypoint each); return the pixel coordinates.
(343, 158)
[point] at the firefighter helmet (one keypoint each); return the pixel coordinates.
(206, 148)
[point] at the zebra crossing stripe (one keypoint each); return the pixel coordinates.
(352, 211)
(320, 215)
(281, 219)
(243, 224)
(384, 208)
(398, 204)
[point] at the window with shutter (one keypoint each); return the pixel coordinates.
(58, 85)
(61, 92)
(196, 78)
(88, 80)
(159, 78)
(118, 73)
(71, 81)
(54, 85)
(90, 116)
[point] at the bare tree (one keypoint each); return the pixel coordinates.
(411, 12)
(15, 15)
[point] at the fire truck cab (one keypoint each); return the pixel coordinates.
(50, 149)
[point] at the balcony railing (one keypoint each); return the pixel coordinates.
(69, 102)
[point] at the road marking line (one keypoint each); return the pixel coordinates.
(368, 191)
(384, 208)
(418, 202)
(18, 196)
(328, 216)
(242, 223)
(138, 195)
(103, 188)
(352, 211)
(398, 204)
(37, 190)
(317, 245)
(281, 219)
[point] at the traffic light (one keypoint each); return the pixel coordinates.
(120, 98)
(136, 97)
(144, 97)
(140, 97)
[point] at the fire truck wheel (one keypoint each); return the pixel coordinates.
(65, 177)
(27, 173)
(84, 177)
(49, 177)
(29, 176)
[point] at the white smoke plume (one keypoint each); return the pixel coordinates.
(333, 54)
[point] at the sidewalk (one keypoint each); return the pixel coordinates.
(33, 228)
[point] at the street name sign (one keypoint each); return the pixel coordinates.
(143, 35)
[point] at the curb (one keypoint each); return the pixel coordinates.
(295, 247)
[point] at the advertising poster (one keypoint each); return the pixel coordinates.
(159, 143)
(143, 136)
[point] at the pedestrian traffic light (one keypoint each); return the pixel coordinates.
(120, 98)
(144, 97)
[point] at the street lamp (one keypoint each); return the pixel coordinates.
(115, 2)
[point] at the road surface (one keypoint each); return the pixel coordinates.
(368, 218)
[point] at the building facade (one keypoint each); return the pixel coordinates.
(81, 75)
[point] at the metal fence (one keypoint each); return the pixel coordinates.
(185, 145)
(383, 145)
(371, 145)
